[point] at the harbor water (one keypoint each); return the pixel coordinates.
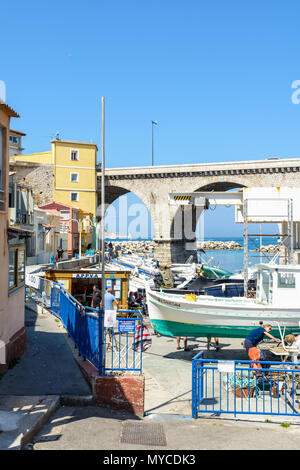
(230, 260)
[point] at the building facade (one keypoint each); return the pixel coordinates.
(75, 228)
(15, 142)
(46, 237)
(12, 249)
(73, 178)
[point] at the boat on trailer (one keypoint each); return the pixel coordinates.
(277, 301)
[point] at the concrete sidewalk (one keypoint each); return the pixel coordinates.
(21, 417)
(48, 366)
(35, 387)
(47, 380)
(94, 428)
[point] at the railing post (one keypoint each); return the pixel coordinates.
(194, 389)
(101, 342)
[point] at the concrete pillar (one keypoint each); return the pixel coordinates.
(175, 233)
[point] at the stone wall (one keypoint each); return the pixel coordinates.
(39, 177)
(15, 349)
(126, 392)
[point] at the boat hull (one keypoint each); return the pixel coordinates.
(224, 318)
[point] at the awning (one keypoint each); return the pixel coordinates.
(47, 226)
(21, 232)
(8, 110)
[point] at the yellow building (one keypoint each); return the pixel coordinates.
(74, 172)
(42, 157)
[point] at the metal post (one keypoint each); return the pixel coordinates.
(245, 216)
(80, 230)
(156, 123)
(152, 146)
(290, 232)
(260, 244)
(101, 319)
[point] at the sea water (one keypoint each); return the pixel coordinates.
(233, 260)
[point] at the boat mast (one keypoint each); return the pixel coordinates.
(245, 216)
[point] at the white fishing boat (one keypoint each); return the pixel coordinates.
(277, 301)
(146, 266)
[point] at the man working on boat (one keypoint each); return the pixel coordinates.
(256, 336)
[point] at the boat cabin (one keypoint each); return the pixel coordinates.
(79, 283)
(278, 284)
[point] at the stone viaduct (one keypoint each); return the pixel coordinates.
(152, 185)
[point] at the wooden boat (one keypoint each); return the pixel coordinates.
(277, 301)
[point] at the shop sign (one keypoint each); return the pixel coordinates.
(126, 326)
(86, 276)
(32, 281)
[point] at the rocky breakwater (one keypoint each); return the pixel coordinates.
(219, 245)
(136, 247)
(268, 249)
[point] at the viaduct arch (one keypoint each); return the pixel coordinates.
(153, 184)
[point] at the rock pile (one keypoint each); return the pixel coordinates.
(269, 249)
(135, 247)
(219, 245)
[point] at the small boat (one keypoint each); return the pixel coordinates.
(276, 302)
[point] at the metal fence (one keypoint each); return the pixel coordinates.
(245, 387)
(38, 289)
(122, 352)
(124, 346)
(82, 326)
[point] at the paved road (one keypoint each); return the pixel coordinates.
(48, 366)
(92, 428)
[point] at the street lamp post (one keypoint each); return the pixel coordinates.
(101, 322)
(154, 123)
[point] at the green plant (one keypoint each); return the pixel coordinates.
(285, 425)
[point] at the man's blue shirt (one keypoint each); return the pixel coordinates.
(256, 335)
(108, 301)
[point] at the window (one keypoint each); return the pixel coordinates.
(286, 280)
(74, 177)
(74, 155)
(41, 241)
(74, 197)
(12, 270)
(65, 214)
(16, 268)
(13, 139)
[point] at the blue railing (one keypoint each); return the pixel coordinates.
(82, 324)
(121, 350)
(244, 387)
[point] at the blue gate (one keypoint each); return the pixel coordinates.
(244, 387)
(122, 345)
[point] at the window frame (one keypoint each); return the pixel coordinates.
(19, 261)
(77, 153)
(77, 196)
(74, 173)
(286, 285)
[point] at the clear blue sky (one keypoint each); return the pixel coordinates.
(216, 75)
